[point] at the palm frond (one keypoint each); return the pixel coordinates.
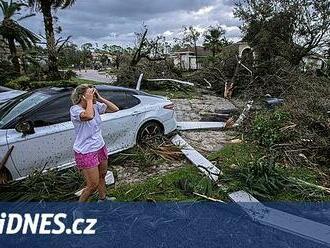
(26, 16)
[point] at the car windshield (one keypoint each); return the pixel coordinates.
(19, 106)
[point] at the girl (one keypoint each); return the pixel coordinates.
(90, 152)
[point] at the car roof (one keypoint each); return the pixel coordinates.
(65, 90)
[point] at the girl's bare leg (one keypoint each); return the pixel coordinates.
(92, 182)
(103, 168)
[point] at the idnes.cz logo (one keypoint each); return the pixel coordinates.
(45, 224)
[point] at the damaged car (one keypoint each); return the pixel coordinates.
(36, 132)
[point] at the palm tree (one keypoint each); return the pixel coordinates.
(45, 7)
(12, 32)
(214, 39)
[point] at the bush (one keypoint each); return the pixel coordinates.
(61, 83)
(20, 83)
(69, 74)
(25, 83)
(266, 127)
(7, 72)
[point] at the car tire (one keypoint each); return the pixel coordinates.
(149, 130)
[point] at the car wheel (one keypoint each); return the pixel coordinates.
(149, 130)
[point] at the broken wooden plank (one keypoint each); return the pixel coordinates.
(231, 124)
(171, 80)
(196, 158)
(182, 126)
(290, 223)
(138, 85)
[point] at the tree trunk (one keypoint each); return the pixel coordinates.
(54, 73)
(229, 86)
(196, 55)
(13, 52)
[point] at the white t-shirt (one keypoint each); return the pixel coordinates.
(88, 133)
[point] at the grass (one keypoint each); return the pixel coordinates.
(243, 165)
(177, 185)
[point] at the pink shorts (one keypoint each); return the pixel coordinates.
(91, 159)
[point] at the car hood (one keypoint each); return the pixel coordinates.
(5, 96)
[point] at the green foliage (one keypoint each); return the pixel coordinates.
(214, 39)
(25, 83)
(7, 72)
(20, 83)
(262, 177)
(177, 185)
(266, 127)
(52, 186)
(246, 166)
(289, 29)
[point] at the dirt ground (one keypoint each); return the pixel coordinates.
(205, 141)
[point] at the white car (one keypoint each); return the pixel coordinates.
(38, 125)
(6, 94)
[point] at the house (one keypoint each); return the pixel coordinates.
(185, 58)
(314, 62)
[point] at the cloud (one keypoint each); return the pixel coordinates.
(115, 21)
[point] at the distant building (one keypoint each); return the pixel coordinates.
(185, 58)
(314, 62)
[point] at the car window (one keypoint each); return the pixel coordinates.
(19, 106)
(55, 112)
(132, 101)
(122, 99)
(117, 97)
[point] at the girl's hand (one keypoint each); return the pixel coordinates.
(97, 94)
(88, 96)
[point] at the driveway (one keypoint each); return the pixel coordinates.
(94, 75)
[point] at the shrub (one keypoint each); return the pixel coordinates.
(262, 177)
(266, 127)
(7, 72)
(20, 83)
(69, 74)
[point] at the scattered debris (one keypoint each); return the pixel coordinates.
(209, 84)
(208, 198)
(239, 121)
(183, 126)
(214, 117)
(109, 178)
(297, 180)
(281, 220)
(273, 101)
(196, 158)
(138, 85)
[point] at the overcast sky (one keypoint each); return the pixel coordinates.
(115, 21)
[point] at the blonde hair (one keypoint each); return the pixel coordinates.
(79, 91)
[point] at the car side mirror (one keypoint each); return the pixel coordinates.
(25, 127)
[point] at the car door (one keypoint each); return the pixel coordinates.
(51, 144)
(119, 129)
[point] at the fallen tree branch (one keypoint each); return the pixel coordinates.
(309, 184)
